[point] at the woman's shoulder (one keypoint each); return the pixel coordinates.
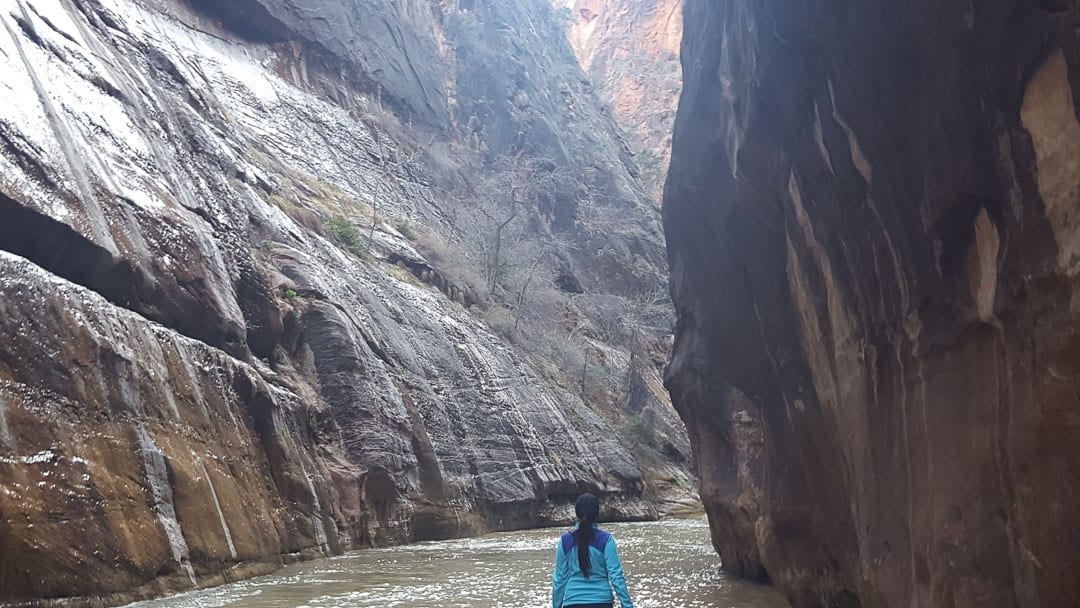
(567, 540)
(600, 539)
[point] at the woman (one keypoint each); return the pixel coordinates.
(587, 565)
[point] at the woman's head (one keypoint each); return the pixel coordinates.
(587, 508)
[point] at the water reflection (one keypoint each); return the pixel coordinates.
(668, 564)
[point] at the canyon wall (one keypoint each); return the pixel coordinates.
(871, 227)
(630, 50)
(223, 345)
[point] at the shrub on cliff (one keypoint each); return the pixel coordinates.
(345, 235)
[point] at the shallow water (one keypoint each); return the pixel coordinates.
(669, 564)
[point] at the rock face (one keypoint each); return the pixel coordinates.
(870, 218)
(630, 49)
(205, 370)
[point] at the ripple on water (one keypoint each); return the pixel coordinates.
(669, 564)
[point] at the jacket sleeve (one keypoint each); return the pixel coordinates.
(615, 574)
(559, 577)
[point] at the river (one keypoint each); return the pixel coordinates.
(669, 564)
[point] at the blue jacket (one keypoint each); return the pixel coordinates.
(569, 586)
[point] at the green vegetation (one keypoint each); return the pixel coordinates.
(638, 429)
(640, 432)
(406, 229)
(290, 294)
(346, 236)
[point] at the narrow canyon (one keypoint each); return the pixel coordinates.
(282, 280)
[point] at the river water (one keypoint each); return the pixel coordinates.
(669, 564)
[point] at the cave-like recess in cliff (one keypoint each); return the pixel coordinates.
(67, 253)
(63, 251)
(248, 19)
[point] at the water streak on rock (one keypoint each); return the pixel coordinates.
(157, 478)
(316, 515)
(217, 506)
(64, 135)
(5, 433)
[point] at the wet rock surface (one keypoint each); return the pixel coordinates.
(138, 454)
(201, 380)
(874, 268)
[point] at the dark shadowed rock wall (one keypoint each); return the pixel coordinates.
(871, 219)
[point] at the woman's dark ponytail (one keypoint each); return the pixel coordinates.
(587, 508)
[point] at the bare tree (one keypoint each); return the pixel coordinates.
(498, 208)
(649, 306)
(496, 262)
(391, 163)
(512, 189)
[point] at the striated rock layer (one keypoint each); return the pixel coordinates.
(201, 376)
(871, 218)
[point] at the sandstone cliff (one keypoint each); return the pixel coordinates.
(872, 238)
(223, 346)
(630, 50)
